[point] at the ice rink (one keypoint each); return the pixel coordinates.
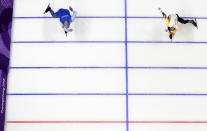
(117, 71)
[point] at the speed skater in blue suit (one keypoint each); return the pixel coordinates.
(65, 17)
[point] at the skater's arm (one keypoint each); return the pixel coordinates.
(74, 13)
(164, 15)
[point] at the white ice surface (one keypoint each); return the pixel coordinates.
(187, 8)
(177, 55)
(64, 108)
(92, 54)
(154, 30)
(72, 81)
(65, 127)
(167, 81)
(59, 54)
(50, 30)
(35, 8)
(171, 108)
(168, 127)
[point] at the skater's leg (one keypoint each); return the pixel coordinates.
(181, 20)
(53, 13)
(56, 14)
(48, 9)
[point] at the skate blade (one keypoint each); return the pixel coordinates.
(47, 8)
(196, 23)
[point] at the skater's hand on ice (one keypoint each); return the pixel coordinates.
(159, 9)
(166, 30)
(71, 30)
